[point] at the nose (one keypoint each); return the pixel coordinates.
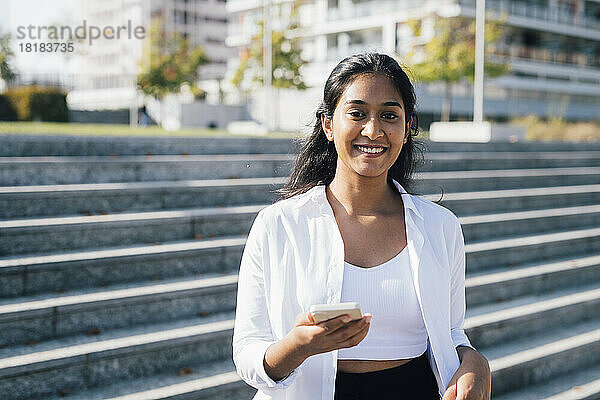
(372, 129)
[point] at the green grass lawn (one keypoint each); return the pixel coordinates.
(60, 128)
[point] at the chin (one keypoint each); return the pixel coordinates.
(371, 173)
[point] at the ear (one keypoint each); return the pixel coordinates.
(408, 125)
(326, 124)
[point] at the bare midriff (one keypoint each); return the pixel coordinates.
(361, 366)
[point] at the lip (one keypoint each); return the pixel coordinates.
(372, 155)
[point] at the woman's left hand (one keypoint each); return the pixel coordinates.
(472, 379)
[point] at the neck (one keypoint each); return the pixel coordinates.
(361, 195)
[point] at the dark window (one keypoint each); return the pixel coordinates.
(211, 19)
(531, 39)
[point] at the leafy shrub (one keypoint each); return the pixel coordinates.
(7, 111)
(557, 129)
(37, 103)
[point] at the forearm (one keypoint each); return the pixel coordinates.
(467, 355)
(282, 357)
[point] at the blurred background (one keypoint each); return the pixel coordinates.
(201, 63)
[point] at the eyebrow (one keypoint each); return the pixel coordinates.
(387, 103)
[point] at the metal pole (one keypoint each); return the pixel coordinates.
(267, 61)
(479, 60)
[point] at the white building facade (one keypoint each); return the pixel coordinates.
(553, 47)
(107, 69)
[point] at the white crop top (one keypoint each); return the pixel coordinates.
(386, 291)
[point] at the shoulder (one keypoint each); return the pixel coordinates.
(443, 230)
(436, 215)
(274, 213)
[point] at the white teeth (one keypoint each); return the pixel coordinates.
(370, 150)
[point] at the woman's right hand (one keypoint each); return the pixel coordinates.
(335, 333)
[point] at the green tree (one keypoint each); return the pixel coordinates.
(286, 56)
(6, 55)
(450, 54)
(171, 63)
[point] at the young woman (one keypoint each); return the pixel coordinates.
(346, 230)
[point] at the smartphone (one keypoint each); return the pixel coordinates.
(323, 312)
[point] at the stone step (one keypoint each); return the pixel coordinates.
(194, 388)
(214, 381)
(496, 323)
(507, 253)
(17, 171)
(462, 181)
(12, 145)
(465, 160)
(582, 384)
(53, 200)
(26, 275)
(58, 272)
(578, 385)
(103, 198)
(493, 201)
(37, 203)
(87, 361)
(543, 357)
(434, 182)
(71, 233)
(51, 316)
(80, 363)
(530, 279)
(494, 226)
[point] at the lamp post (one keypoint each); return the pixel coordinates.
(267, 61)
(479, 60)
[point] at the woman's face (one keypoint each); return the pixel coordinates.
(369, 113)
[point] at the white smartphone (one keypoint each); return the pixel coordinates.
(323, 312)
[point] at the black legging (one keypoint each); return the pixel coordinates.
(413, 380)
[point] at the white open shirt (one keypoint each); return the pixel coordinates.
(294, 258)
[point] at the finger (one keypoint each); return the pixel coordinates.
(358, 325)
(450, 393)
(357, 330)
(349, 329)
(353, 340)
(304, 319)
(461, 393)
(333, 324)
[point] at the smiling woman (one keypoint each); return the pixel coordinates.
(360, 76)
(346, 230)
(366, 130)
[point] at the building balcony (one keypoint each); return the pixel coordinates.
(548, 56)
(339, 53)
(556, 15)
(369, 8)
(236, 6)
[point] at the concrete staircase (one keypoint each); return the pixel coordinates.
(119, 260)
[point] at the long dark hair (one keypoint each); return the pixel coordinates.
(317, 158)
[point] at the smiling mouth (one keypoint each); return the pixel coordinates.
(370, 150)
